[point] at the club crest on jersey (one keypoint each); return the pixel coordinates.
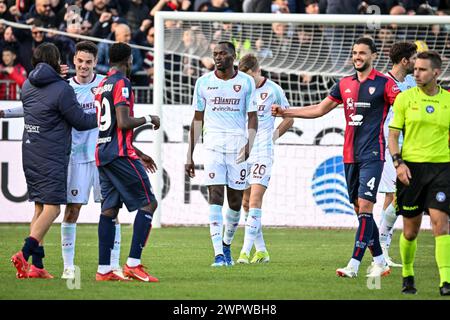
(94, 90)
(125, 93)
(212, 175)
(264, 95)
(372, 90)
(237, 87)
(74, 192)
(430, 109)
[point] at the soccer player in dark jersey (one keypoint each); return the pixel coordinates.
(366, 97)
(122, 167)
(423, 166)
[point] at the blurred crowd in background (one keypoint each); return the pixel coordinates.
(131, 21)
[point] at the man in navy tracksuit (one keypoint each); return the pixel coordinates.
(50, 111)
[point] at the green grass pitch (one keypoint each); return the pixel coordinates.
(303, 264)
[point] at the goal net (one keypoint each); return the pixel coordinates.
(305, 55)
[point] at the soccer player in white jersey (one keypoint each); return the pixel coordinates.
(82, 171)
(403, 56)
(223, 99)
(260, 161)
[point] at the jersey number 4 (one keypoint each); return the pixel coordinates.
(103, 114)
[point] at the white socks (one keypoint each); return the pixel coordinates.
(232, 222)
(115, 252)
(216, 228)
(68, 237)
(132, 262)
(252, 229)
(387, 225)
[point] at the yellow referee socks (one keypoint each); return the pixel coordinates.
(408, 254)
(443, 257)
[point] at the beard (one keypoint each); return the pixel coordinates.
(362, 68)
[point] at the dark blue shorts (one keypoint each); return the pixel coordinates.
(363, 179)
(125, 181)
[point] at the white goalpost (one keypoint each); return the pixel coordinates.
(305, 54)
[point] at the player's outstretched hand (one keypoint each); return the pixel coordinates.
(403, 174)
(148, 163)
(277, 111)
(156, 122)
(189, 169)
(64, 70)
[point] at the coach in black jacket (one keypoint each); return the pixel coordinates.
(50, 111)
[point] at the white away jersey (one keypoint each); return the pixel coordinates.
(408, 83)
(266, 95)
(225, 104)
(83, 142)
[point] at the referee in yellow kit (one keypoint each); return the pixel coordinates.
(422, 113)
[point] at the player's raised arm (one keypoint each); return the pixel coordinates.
(194, 135)
(309, 112)
(12, 112)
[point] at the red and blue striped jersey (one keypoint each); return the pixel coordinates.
(114, 91)
(366, 105)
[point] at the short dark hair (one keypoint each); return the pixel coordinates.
(47, 53)
(119, 53)
(400, 50)
(87, 46)
(10, 48)
(248, 62)
(368, 42)
(433, 56)
(229, 45)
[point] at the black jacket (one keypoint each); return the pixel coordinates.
(51, 110)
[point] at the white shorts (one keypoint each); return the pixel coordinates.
(221, 169)
(388, 177)
(260, 170)
(81, 177)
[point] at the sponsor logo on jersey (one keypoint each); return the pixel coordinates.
(372, 90)
(212, 88)
(222, 100)
(430, 109)
(329, 187)
(368, 193)
(395, 89)
(103, 140)
(440, 197)
(356, 120)
(237, 87)
(348, 91)
(264, 95)
(261, 107)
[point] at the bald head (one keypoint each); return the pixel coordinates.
(397, 10)
(122, 33)
(43, 7)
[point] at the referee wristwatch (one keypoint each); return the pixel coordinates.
(397, 160)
